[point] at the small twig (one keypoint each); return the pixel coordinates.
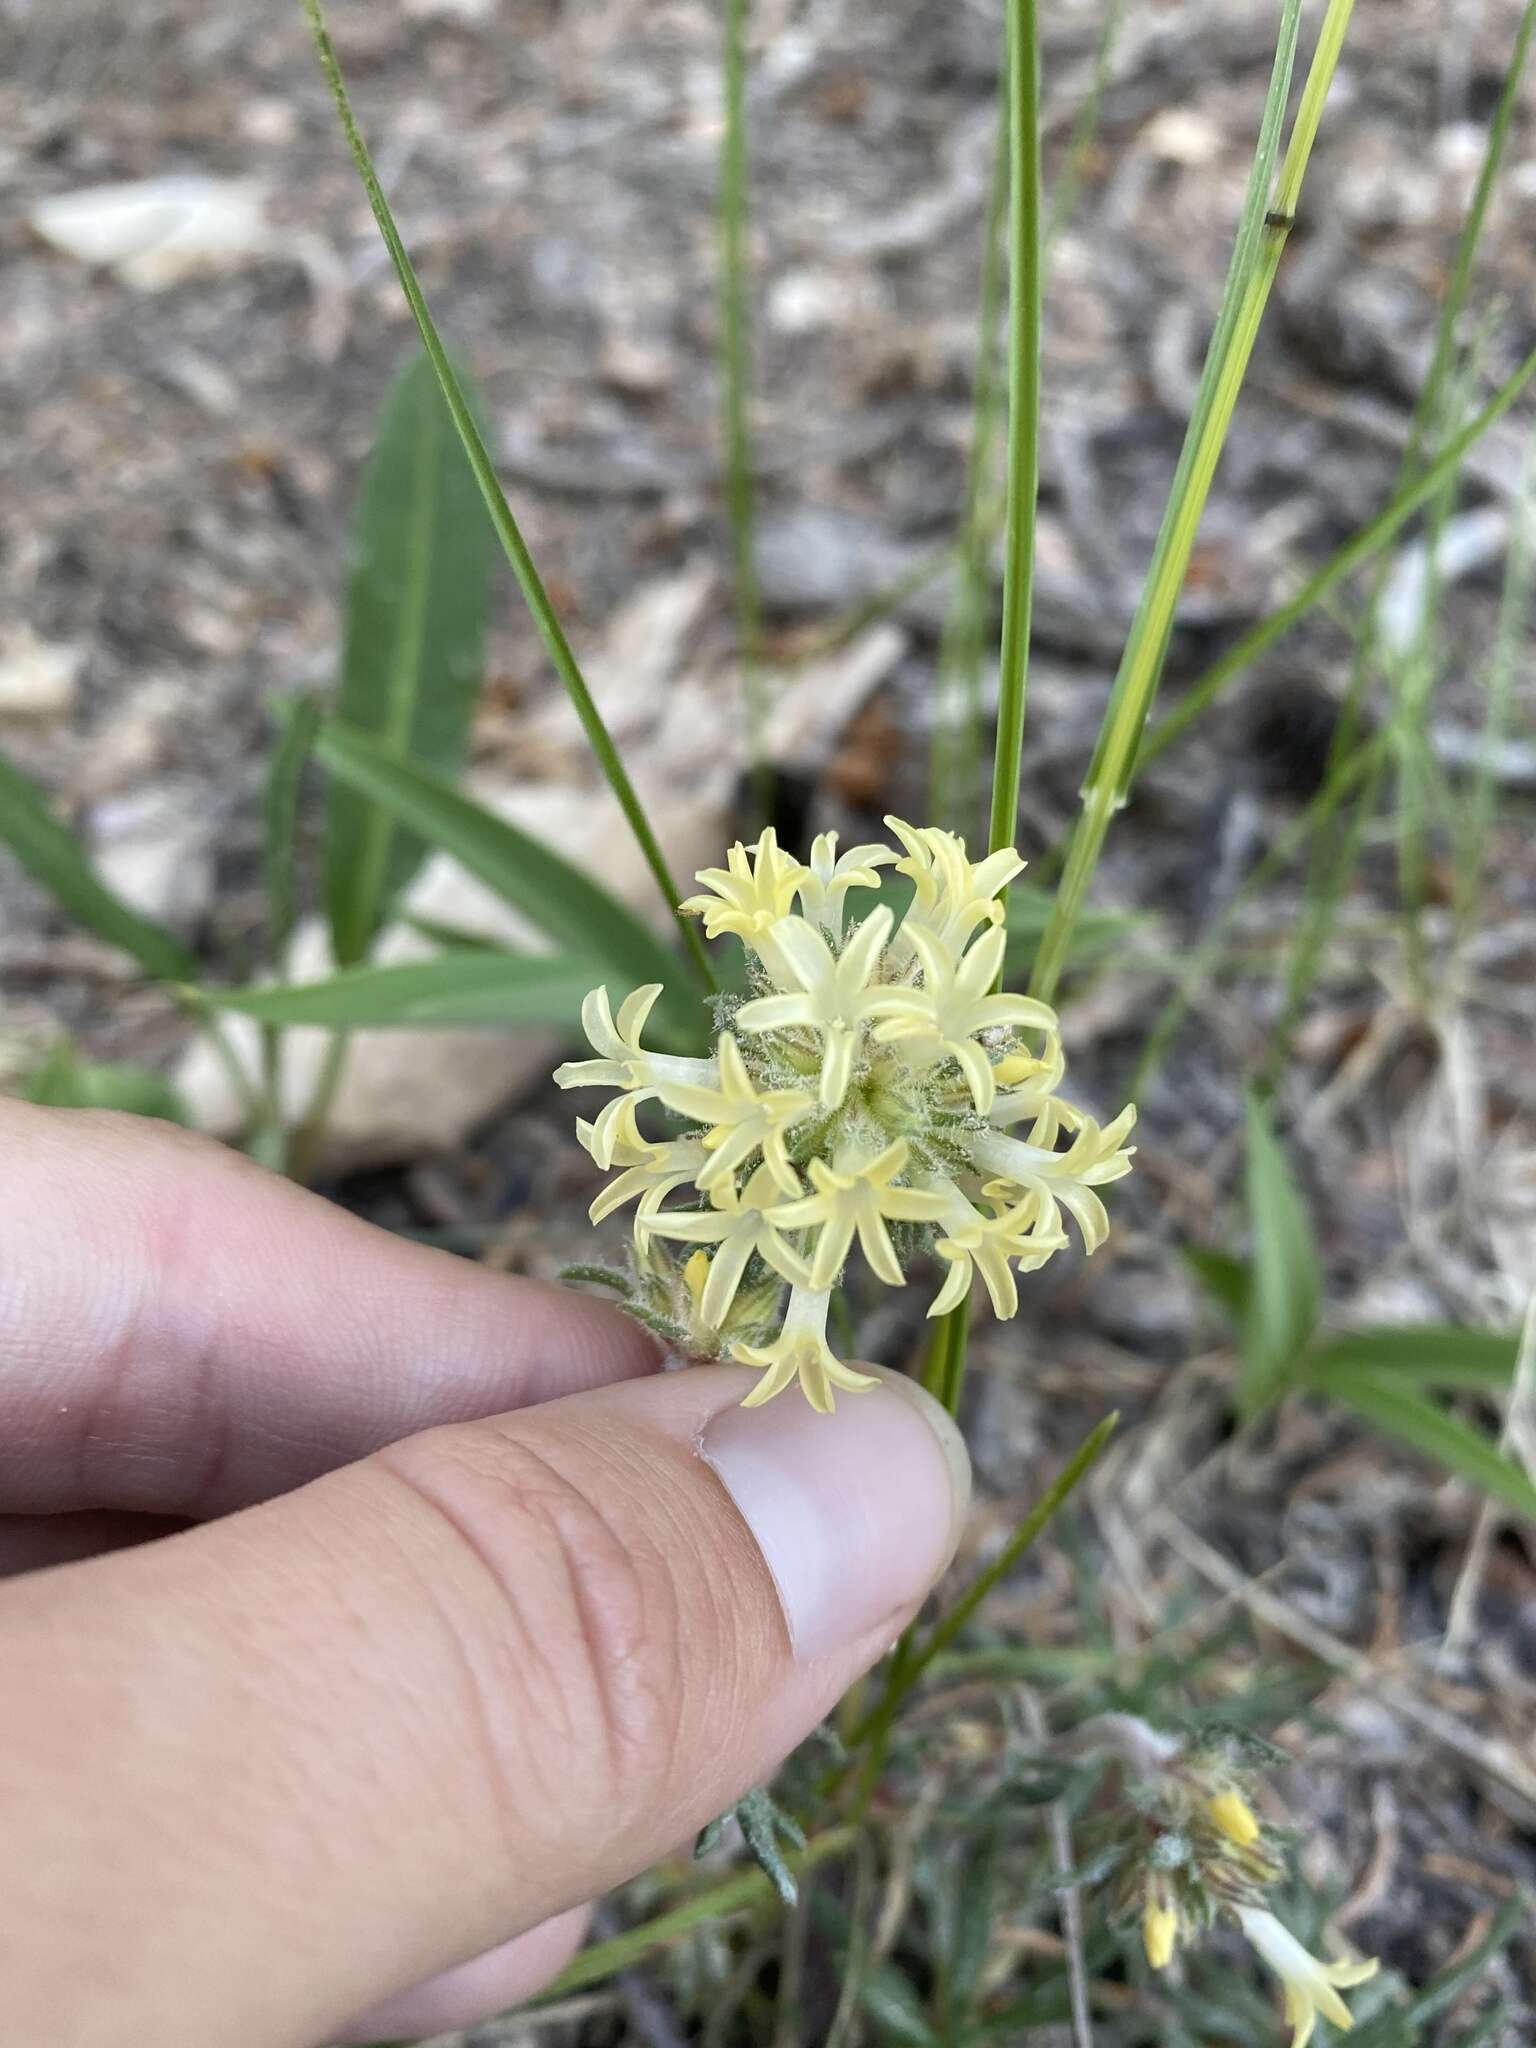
(1516, 1436)
(1070, 1896)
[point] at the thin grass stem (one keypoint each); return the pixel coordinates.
(1022, 85)
(1359, 548)
(738, 1894)
(1084, 127)
(1333, 863)
(906, 1670)
(507, 530)
(1260, 239)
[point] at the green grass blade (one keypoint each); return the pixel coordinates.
(706, 1908)
(507, 530)
(1359, 548)
(1428, 1354)
(415, 633)
(495, 989)
(1437, 1434)
(1286, 1294)
(1227, 1280)
(53, 856)
(1334, 863)
(1427, 410)
(1025, 223)
(575, 911)
(889, 1999)
(300, 723)
(944, 1631)
(975, 1904)
(1025, 203)
(1255, 255)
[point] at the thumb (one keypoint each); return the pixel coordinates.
(262, 1774)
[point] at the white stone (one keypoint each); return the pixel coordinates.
(38, 678)
(154, 232)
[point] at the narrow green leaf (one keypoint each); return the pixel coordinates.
(1228, 1281)
(65, 1081)
(1432, 1354)
(51, 853)
(1287, 1273)
(895, 2008)
(298, 724)
(578, 914)
(912, 1661)
(974, 1899)
(494, 989)
(1361, 545)
(1437, 1434)
(1255, 257)
(763, 1822)
(706, 1908)
(453, 938)
(410, 666)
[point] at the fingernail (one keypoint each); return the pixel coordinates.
(857, 1513)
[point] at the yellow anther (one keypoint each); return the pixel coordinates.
(1235, 1817)
(1159, 1931)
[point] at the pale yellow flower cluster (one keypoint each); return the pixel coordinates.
(1311, 1987)
(871, 1088)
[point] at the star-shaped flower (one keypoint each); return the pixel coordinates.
(747, 897)
(823, 886)
(801, 1351)
(650, 1170)
(624, 1063)
(829, 993)
(955, 1002)
(739, 1225)
(987, 1244)
(952, 894)
(856, 1196)
(1096, 1156)
(742, 1118)
(1311, 1986)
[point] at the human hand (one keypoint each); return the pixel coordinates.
(476, 1616)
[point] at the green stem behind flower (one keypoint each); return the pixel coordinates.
(909, 1662)
(1261, 240)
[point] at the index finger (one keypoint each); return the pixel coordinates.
(183, 1333)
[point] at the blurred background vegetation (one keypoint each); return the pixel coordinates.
(312, 850)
